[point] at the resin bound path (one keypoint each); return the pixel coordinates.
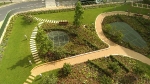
(113, 49)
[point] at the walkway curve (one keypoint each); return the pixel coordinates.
(113, 49)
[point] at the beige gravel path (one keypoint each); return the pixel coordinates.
(113, 49)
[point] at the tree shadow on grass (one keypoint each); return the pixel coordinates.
(22, 63)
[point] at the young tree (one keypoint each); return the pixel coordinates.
(78, 14)
(44, 44)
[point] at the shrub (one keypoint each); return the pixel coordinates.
(27, 19)
(138, 70)
(146, 1)
(114, 66)
(66, 70)
(105, 80)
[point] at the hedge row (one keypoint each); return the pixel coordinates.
(120, 63)
(99, 68)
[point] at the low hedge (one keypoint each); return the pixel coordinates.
(120, 63)
(99, 68)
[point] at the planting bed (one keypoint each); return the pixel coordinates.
(74, 41)
(129, 34)
(139, 24)
(109, 70)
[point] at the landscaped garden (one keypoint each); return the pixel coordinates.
(76, 41)
(129, 31)
(15, 66)
(107, 70)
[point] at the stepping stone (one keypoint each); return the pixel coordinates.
(34, 53)
(32, 49)
(35, 57)
(25, 83)
(31, 77)
(28, 80)
(34, 32)
(57, 22)
(32, 45)
(52, 21)
(32, 41)
(33, 37)
(38, 62)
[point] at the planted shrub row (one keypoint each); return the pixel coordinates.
(99, 68)
(120, 63)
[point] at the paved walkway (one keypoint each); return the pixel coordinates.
(113, 49)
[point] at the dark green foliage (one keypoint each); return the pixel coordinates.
(78, 14)
(66, 70)
(105, 80)
(120, 63)
(146, 1)
(44, 44)
(59, 53)
(114, 66)
(100, 68)
(51, 79)
(28, 19)
(139, 24)
(138, 70)
(114, 34)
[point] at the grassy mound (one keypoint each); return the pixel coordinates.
(129, 34)
(138, 24)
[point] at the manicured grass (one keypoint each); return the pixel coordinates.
(38, 79)
(91, 14)
(1, 4)
(93, 71)
(14, 66)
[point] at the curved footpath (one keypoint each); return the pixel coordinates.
(113, 49)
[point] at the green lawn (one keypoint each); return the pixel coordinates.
(1, 4)
(14, 66)
(91, 14)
